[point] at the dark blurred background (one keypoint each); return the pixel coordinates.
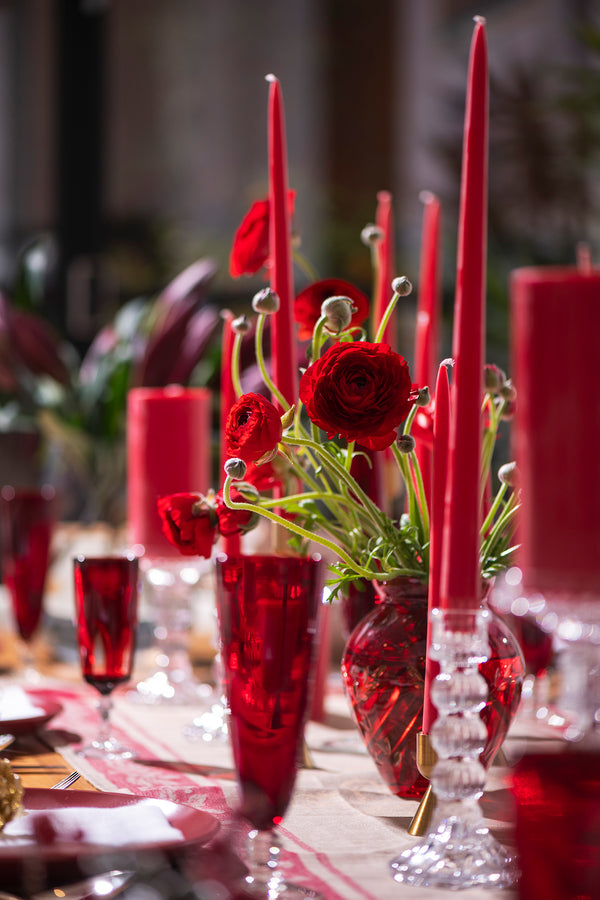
(134, 131)
(133, 138)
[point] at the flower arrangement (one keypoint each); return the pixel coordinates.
(294, 465)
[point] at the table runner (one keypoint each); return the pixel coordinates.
(343, 826)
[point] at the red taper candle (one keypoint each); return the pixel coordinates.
(283, 338)
(441, 433)
(429, 299)
(168, 452)
(555, 321)
(231, 543)
(384, 219)
(428, 315)
(461, 583)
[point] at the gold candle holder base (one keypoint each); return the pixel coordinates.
(426, 760)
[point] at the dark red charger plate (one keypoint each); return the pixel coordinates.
(64, 860)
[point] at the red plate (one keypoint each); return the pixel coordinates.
(48, 708)
(48, 841)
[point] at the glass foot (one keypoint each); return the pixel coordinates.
(209, 726)
(265, 879)
(456, 854)
(108, 749)
(174, 687)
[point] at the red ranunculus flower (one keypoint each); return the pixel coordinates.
(307, 305)
(253, 428)
(361, 391)
(189, 522)
(233, 521)
(250, 251)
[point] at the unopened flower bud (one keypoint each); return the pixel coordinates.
(288, 417)
(235, 468)
(494, 378)
(401, 286)
(405, 443)
(265, 301)
(509, 474)
(371, 234)
(509, 391)
(423, 398)
(241, 325)
(248, 491)
(339, 313)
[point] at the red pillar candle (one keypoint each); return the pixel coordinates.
(231, 543)
(441, 430)
(555, 314)
(283, 338)
(168, 452)
(384, 219)
(460, 585)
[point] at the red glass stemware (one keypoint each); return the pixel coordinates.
(106, 594)
(267, 607)
(27, 520)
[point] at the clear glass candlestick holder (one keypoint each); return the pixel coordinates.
(459, 851)
(171, 587)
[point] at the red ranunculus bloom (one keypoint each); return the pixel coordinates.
(253, 428)
(250, 251)
(361, 391)
(307, 305)
(189, 522)
(233, 521)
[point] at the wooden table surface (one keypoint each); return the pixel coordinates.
(37, 765)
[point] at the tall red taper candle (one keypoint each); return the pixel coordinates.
(441, 432)
(429, 299)
(231, 543)
(555, 318)
(460, 585)
(428, 315)
(283, 338)
(384, 219)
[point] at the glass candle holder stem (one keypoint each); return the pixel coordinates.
(458, 851)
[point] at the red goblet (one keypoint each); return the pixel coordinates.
(27, 520)
(267, 607)
(106, 595)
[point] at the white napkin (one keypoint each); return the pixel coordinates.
(143, 822)
(16, 704)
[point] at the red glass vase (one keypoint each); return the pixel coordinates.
(267, 608)
(383, 669)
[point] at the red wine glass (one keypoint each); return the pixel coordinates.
(27, 520)
(106, 596)
(267, 608)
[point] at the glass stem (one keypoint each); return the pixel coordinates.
(263, 858)
(104, 707)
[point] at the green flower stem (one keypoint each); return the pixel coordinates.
(377, 516)
(489, 519)
(349, 454)
(305, 266)
(296, 529)
(413, 506)
(235, 365)
(416, 468)
(317, 339)
(260, 359)
(386, 318)
(500, 530)
(489, 439)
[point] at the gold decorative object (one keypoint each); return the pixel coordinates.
(426, 760)
(11, 793)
